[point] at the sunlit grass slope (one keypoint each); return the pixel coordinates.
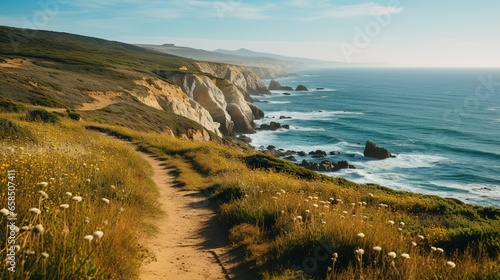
(81, 202)
(292, 222)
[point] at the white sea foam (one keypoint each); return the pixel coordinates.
(278, 102)
(317, 115)
(405, 161)
(488, 194)
(307, 128)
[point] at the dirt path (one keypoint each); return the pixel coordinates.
(191, 244)
(101, 100)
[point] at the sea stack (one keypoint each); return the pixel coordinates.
(301, 88)
(275, 85)
(374, 151)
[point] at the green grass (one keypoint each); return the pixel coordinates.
(261, 204)
(69, 158)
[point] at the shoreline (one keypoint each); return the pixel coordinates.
(468, 192)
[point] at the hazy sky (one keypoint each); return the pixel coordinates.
(401, 32)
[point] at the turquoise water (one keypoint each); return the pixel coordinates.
(443, 125)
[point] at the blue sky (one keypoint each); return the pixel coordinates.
(459, 33)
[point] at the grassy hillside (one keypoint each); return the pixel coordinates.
(60, 71)
(82, 195)
(288, 220)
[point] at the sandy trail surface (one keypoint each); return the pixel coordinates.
(191, 243)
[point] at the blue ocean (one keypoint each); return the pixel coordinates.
(443, 125)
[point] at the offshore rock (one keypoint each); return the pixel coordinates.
(374, 151)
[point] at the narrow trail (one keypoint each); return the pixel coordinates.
(191, 243)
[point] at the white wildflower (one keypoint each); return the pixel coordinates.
(451, 264)
(77, 198)
(64, 206)
(405, 256)
(392, 255)
(43, 194)
(88, 237)
(39, 229)
(105, 200)
(35, 210)
(98, 233)
(377, 248)
(5, 212)
(361, 235)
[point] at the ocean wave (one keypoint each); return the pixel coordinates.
(279, 102)
(472, 192)
(317, 115)
(307, 128)
(404, 161)
(391, 180)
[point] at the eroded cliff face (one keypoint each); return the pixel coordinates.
(171, 98)
(245, 80)
(223, 100)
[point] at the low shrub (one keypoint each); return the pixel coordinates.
(41, 115)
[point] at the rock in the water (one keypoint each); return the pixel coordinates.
(273, 126)
(318, 154)
(286, 93)
(320, 88)
(284, 117)
(326, 165)
(275, 85)
(302, 153)
(256, 111)
(301, 88)
(374, 151)
(245, 139)
(290, 158)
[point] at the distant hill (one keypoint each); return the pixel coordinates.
(119, 83)
(252, 54)
(265, 65)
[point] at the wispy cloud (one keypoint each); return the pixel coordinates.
(157, 9)
(229, 9)
(366, 9)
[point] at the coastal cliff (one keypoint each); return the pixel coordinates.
(226, 99)
(212, 96)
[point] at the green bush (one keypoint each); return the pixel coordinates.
(41, 115)
(9, 106)
(10, 130)
(74, 116)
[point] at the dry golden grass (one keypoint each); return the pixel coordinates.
(288, 222)
(76, 183)
(290, 227)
